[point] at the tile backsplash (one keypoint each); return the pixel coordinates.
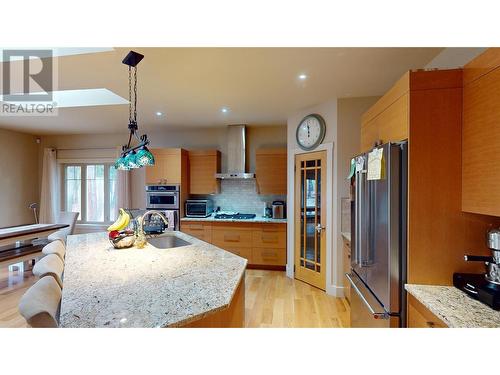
(241, 196)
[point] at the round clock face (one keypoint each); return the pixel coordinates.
(310, 132)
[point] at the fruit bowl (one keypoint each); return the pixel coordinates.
(119, 236)
(122, 239)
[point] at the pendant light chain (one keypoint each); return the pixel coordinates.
(129, 94)
(135, 94)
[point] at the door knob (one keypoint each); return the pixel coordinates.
(319, 228)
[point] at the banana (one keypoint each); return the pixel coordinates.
(122, 221)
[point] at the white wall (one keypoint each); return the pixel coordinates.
(343, 129)
(328, 111)
(18, 177)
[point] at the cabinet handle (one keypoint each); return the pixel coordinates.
(232, 238)
(268, 254)
(270, 238)
(196, 227)
(430, 324)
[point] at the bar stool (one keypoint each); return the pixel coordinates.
(50, 265)
(41, 303)
(56, 247)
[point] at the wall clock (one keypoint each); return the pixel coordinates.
(310, 132)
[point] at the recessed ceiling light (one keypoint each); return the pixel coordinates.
(159, 113)
(224, 110)
(302, 77)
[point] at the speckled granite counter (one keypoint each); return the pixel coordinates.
(455, 308)
(257, 219)
(150, 287)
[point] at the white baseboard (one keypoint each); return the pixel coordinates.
(335, 291)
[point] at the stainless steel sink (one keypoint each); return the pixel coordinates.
(167, 242)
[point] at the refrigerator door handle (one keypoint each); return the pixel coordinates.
(375, 314)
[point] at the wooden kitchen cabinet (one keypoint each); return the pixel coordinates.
(170, 166)
(271, 170)
(199, 229)
(425, 107)
(421, 317)
(262, 244)
(481, 135)
(203, 165)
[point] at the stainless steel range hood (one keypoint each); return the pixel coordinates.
(236, 158)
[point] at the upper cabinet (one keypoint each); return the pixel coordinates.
(271, 170)
(170, 166)
(481, 135)
(388, 119)
(203, 165)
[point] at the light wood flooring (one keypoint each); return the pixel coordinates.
(272, 300)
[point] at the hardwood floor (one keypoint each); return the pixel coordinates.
(272, 300)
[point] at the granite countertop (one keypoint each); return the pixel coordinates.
(347, 236)
(455, 308)
(149, 287)
(256, 219)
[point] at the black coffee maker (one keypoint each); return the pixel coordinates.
(483, 287)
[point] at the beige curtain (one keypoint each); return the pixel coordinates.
(49, 198)
(123, 187)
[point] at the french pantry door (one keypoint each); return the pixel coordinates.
(310, 218)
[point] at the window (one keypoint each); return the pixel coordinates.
(90, 189)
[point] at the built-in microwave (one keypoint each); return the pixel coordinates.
(164, 197)
(198, 207)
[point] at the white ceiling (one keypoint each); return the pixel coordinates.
(191, 85)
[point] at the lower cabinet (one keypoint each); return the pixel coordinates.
(262, 244)
(200, 230)
(420, 317)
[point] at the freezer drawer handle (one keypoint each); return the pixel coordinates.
(376, 315)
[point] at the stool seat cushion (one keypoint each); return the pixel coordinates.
(50, 265)
(40, 304)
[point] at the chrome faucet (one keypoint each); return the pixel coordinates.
(141, 240)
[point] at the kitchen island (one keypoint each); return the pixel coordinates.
(197, 284)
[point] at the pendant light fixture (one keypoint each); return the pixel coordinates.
(134, 156)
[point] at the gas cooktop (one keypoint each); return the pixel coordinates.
(236, 216)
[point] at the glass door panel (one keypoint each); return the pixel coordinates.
(310, 238)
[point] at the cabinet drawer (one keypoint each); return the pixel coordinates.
(244, 252)
(420, 317)
(269, 255)
(202, 231)
(228, 238)
(269, 238)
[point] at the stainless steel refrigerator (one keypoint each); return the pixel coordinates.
(378, 260)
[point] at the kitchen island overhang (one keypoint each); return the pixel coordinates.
(194, 285)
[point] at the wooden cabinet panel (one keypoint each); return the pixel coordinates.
(229, 235)
(481, 144)
(393, 122)
(369, 135)
(271, 170)
(269, 235)
(200, 230)
(167, 168)
(420, 317)
(269, 256)
(203, 165)
(481, 65)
